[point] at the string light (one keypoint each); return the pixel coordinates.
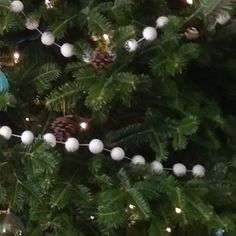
(168, 229)
(48, 4)
(16, 57)
(131, 206)
(83, 125)
(92, 217)
(178, 210)
(27, 119)
(190, 2)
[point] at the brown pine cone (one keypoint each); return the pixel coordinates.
(64, 127)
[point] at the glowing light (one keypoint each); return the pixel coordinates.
(48, 4)
(168, 229)
(83, 125)
(92, 217)
(190, 2)
(27, 119)
(106, 36)
(178, 210)
(16, 57)
(131, 206)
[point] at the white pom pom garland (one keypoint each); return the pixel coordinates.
(131, 45)
(6, 132)
(27, 137)
(31, 24)
(47, 38)
(138, 160)
(150, 33)
(72, 145)
(198, 171)
(157, 167)
(162, 21)
(179, 169)
(16, 6)
(67, 50)
(117, 154)
(96, 146)
(50, 139)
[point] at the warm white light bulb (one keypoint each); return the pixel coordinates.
(190, 2)
(168, 229)
(48, 4)
(16, 57)
(84, 125)
(178, 210)
(27, 119)
(92, 217)
(131, 206)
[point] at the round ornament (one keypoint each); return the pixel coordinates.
(222, 19)
(96, 146)
(138, 160)
(117, 154)
(150, 33)
(10, 224)
(6, 132)
(191, 33)
(131, 45)
(67, 50)
(179, 169)
(16, 6)
(27, 137)
(50, 139)
(162, 21)
(31, 24)
(72, 145)
(157, 167)
(47, 38)
(198, 171)
(4, 84)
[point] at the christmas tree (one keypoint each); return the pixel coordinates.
(117, 118)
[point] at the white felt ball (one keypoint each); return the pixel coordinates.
(16, 6)
(50, 139)
(72, 145)
(27, 137)
(67, 50)
(157, 167)
(162, 21)
(150, 33)
(138, 160)
(179, 169)
(198, 171)
(6, 132)
(31, 24)
(131, 45)
(222, 19)
(47, 38)
(96, 146)
(117, 154)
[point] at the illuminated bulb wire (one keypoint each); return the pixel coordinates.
(16, 57)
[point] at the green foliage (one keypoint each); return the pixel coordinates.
(171, 100)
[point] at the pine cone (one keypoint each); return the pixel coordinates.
(102, 59)
(64, 127)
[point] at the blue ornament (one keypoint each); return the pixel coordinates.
(4, 84)
(220, 232)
